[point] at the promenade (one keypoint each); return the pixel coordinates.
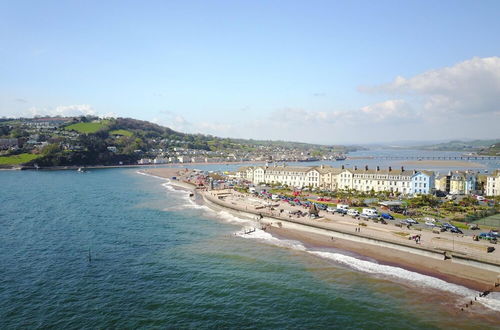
(467, 262)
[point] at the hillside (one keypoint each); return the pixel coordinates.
(466, 146)
(493, 150)
(52, 141)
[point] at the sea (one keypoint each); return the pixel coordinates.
(113, 248)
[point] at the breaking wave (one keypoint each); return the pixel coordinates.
(370, 267)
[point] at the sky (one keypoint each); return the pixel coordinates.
(330, 72)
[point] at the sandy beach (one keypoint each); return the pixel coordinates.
(467, 276)
(425, 258)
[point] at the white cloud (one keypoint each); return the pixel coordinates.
(390, 110)
(173, 120)
(62, 110)
(74, 110)
(470, 87)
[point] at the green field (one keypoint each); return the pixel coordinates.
(17, 159)
(87, 128)
(121, 132)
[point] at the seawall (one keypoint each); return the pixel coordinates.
(318, 229)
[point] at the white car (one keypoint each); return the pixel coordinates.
(353, 213)
(412, 221)
(430, 224)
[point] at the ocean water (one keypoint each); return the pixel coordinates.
(160, 260)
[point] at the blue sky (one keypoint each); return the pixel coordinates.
(314, 71)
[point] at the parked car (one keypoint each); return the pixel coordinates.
(370, 212)
(353, 213)
(387, 216)
(456, 230)
(412, 221)
(330, 209)
(430, 224)
(487, 236)
(341, 211)
(473, 226)
(448, 226)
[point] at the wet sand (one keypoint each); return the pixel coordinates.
(470, 277)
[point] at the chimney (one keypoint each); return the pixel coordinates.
(342, 166)
(366, 167)
(355, 167)
(322, 166)
(378, 168)
(390, 168)
(414, 171)
(402, 169)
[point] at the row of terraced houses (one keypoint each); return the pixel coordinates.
(407, 182)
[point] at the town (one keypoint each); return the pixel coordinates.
(395, 181)
(63, 141)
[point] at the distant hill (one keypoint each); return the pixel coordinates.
(493, 150)
(466, 146)
(52, 141)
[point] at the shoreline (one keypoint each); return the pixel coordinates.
(414, 259)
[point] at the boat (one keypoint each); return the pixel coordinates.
(81, 170)
(339, 158)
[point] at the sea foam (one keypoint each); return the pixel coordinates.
(384, 271)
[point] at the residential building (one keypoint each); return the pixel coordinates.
(493, 184)
(329, 178)
(422, 183)
(462, 183)
(442, 182)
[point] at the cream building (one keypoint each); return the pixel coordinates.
(493, 184)
(462, 183)
(330, 178)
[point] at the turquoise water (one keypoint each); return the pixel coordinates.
(161, 261)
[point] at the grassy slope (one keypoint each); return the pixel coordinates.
(17, 159)
(87, 128)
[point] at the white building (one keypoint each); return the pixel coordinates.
(422, 182)
(329, 178)
(493, 184)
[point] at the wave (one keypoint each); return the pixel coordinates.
(416, 279)
(385, 271)
(270, 239)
